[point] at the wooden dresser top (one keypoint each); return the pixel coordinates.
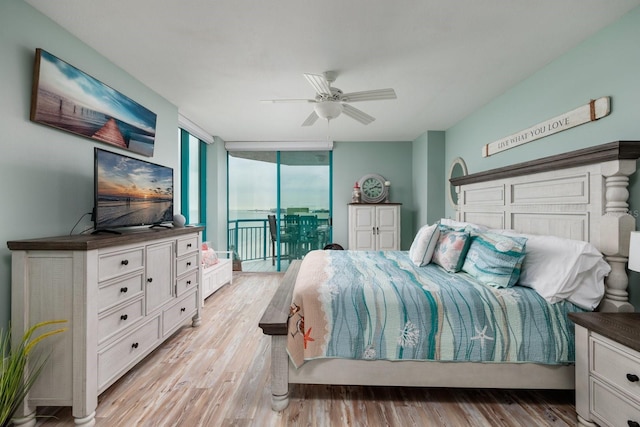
(620, 327)
(86, 242)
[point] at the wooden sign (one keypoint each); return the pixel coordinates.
(594, 110)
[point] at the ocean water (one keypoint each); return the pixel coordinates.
(262, 214)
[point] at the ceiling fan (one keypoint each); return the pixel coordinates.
(330, 101)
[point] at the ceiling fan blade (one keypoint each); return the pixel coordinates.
(356, 114)
(319, 83)
(369, 95)
(311, 119)
(282, 101)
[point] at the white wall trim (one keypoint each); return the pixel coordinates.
(194, 129)
(278, 145)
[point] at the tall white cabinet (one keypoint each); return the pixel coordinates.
(374, 227)
(121, 295)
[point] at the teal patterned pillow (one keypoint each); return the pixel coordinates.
(451, 249)
(495, 259)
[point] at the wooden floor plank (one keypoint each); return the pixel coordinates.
(218, 375)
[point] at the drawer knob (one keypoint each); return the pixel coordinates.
(134, 345)
(150, 279)
(124, 317)
(183, 309)
(124, 262)
(124, 290)
(188, 282)
(189, 264)
(632, 423)
(188, 245)
(633, 378)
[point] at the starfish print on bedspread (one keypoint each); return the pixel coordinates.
(482, 336)
(307, 338)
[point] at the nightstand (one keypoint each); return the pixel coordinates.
(607, 368)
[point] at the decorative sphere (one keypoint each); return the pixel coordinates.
(179, 220)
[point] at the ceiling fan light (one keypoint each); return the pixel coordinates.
(328, 109)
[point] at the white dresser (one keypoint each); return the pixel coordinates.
(374, 227)
(607, 368)
(121, 295)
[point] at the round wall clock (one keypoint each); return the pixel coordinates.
(373, 188)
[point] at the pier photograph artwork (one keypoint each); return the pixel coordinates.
(69, 99)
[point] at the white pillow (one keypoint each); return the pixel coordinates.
(424, 244)
(590, 286)
(559, 268)
(460, 225)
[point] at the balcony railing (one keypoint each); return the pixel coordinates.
(251, 239)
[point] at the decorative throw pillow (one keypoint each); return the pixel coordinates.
(424, 244)
(495, 259)
(209, 256)
(451, 249)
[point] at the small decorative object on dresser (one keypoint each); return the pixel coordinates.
(373, 188)
(179, 220)
(355, 195)
(607, 368)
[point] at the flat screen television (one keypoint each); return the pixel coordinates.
(130, 192)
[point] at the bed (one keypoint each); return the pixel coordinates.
(581, 196)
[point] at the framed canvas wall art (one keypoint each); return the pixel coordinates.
(66, 98)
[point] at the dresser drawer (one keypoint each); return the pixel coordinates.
(611, 407)
(186, 264)
(114, 264)
(187, 283)
(614, 365)
(179, 313)
(118, 356)
(119, 291)
(186, 245)
(119, 319)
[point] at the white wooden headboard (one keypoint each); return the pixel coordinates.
(580, 195)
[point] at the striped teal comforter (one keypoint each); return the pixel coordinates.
(379, 305)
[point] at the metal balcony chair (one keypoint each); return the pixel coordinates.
(286, 236)
(308, 234)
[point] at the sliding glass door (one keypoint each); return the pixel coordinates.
(279, 206)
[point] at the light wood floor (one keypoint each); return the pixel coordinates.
(217, 375)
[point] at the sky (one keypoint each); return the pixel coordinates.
(252, 185)
(124, 176)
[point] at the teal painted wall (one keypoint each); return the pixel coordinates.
(46, 175)
(607, 64)
(428, 152)
(352, 160)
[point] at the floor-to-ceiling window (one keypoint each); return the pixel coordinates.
(279, 206)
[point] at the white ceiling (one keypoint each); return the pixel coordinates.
(216, 59)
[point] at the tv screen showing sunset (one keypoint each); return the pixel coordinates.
(131, 191)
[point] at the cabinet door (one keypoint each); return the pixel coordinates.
(387, 228)
(159, 275)
(362, 228)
